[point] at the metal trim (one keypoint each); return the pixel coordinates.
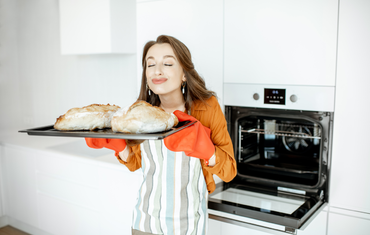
(104, 133)
(254, 226)
(313, 216)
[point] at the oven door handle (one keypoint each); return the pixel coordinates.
(254, 226)
(313, 216)
(270, 230)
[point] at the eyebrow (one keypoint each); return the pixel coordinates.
(164, 57)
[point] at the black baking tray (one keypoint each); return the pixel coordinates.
(105, 133)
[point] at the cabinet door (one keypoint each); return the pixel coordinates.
(350, 175)
(197, 23)
(1, 184)
(281, 42)
(20, 185)
(67, 190)
(344, 223)
(214, 227)
(97, 27)
(118, 191)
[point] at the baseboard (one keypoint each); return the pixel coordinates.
(26, 227)
(4, 221)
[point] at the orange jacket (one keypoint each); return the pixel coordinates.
(211, 116)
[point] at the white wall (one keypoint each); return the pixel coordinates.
(196, 24)
(37, 84)
(9, 81)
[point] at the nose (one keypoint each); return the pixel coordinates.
(158, 70)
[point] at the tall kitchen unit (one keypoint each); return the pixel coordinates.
(286, 44)
(350, 176)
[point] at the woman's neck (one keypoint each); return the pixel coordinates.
(172, 103)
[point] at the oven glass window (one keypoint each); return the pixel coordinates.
(266, 203)
(286, 150)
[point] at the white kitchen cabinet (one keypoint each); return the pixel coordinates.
(214, 227)
(282, 42)
(350, 175)
(67, 191)
(344, 222)
(197, 23)
(118, 190)
(2, 213)
(49, 192)
(18, 167)
(98, 26)
(59, 217)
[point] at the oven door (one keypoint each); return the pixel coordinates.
(277, 210)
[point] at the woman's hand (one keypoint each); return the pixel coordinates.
(118, 145)
(195, 140)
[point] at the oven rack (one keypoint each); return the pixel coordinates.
(284, 133)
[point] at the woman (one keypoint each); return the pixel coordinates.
(173, 196)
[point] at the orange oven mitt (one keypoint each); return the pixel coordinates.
(118, 145)
(194, 140)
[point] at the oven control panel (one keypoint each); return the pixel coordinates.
(294, 97)
(274, 96)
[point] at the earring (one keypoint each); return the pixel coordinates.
(183, 87)
(147, 87)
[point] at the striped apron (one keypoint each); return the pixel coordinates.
(173, 195)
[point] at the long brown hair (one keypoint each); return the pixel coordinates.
(195, 88)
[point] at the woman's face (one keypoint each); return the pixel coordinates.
(163, 71)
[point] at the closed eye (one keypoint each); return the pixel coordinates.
(168, 64)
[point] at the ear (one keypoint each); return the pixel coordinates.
(184, 78)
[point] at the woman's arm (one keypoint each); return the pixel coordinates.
(225, 167)
(130, 157)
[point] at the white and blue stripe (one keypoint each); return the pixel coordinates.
(173, 196)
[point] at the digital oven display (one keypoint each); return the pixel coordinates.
(274, 96)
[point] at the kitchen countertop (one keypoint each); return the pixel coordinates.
(67, 147)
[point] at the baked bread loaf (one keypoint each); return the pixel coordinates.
(142, 117)
(94, 116)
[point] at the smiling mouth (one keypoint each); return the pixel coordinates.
(159, 80)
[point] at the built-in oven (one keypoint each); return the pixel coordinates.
(282, 144)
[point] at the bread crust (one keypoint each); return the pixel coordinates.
(91, 117)
(142, 117)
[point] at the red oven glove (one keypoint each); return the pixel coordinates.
(118, 145)
(195, 140)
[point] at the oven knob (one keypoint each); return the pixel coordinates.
(256, 96)
(293, 98)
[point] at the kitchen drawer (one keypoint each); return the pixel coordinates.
(60, 217)
(68, 191)
(68, 168)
